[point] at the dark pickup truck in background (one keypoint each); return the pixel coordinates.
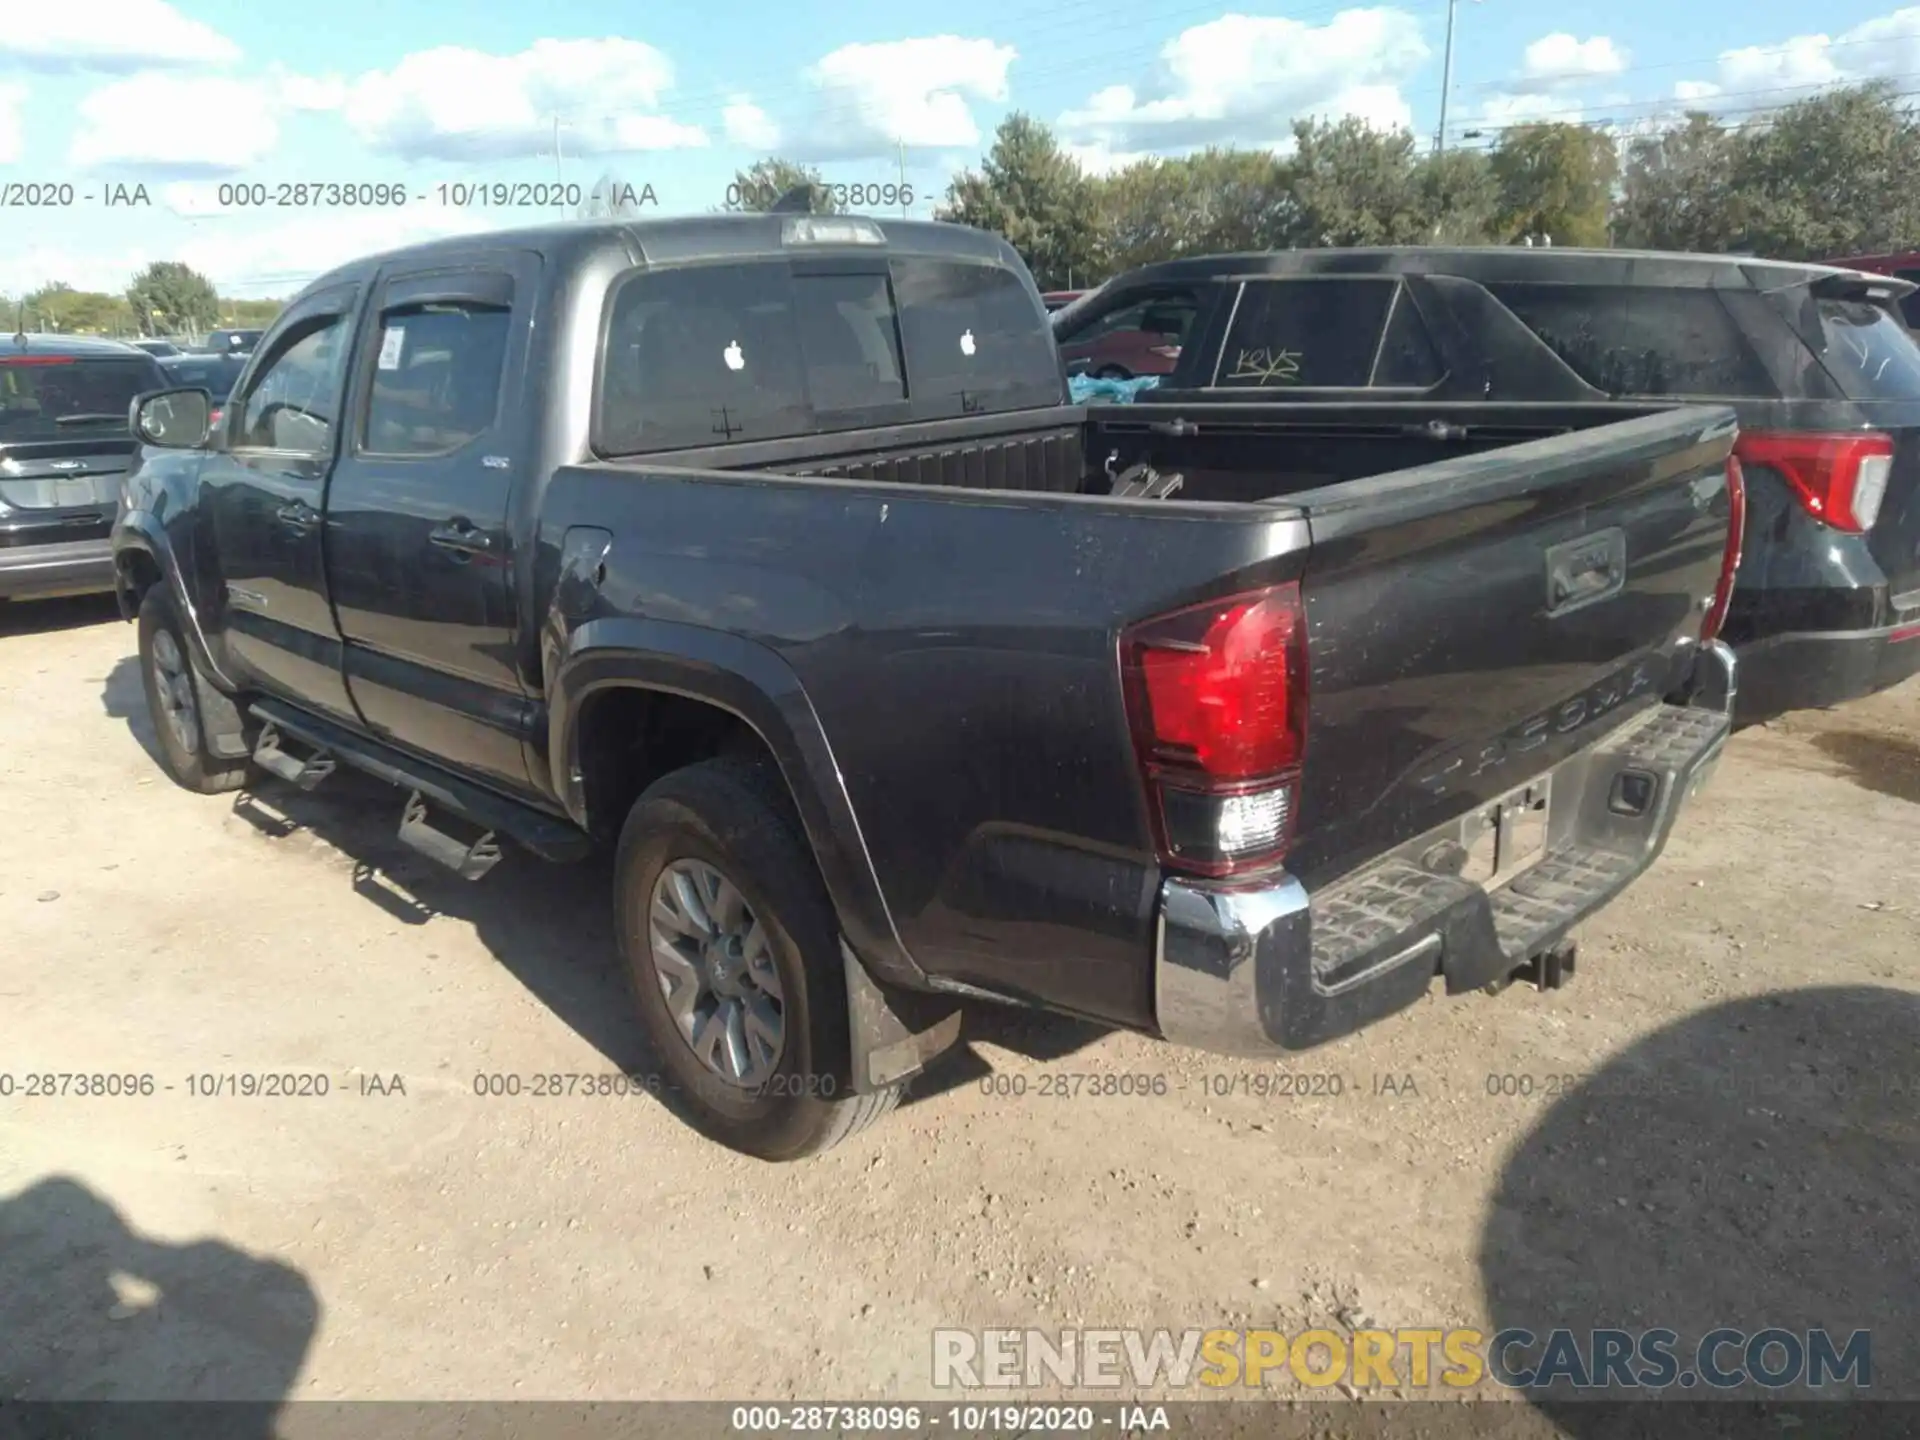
(769, 548)
(1815, 361)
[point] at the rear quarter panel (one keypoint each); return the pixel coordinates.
(959, 649)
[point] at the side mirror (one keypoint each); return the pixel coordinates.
(173, 419)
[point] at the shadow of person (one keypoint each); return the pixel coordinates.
(1753, 1167)
(94, 1315)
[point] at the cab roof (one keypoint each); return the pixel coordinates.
(683, 239)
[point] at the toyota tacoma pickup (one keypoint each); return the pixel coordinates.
(768, 550)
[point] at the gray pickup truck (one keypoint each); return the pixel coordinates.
(769, 550)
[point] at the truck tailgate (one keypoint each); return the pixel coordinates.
(1474, 622)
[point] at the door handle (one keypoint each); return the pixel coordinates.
(462, 536)
(298, 516)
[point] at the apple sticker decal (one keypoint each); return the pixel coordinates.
(966, 343)
(735, 360)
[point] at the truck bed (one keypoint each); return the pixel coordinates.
(1239, 453)
(958, 644)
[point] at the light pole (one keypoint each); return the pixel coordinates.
(1446, 78)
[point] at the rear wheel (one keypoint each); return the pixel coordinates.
(1113, 372)
(173, 701)
(732, 950)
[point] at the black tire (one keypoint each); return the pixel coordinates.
(734, 815)
(1113, 372)
(183, 747)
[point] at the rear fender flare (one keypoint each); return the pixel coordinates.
(755, 684)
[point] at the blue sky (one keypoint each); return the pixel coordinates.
(188, 96)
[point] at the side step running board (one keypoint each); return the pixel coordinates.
(468, 861)
(551, 837)
(270, 756)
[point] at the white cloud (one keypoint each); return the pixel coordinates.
(13, 99)
(870, 99)
(1242, 78)
(1805, 60)
(1097, 159)
(211, 125)
(1524, 107)
(240, 254)
(452, 103)
(109, 35)
(1692, 92)
(1887, 47)
(746, 124)
(1563, 59)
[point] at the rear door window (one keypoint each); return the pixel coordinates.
(1642, 341)
(1307, 333)
(54, 397)
(436, 379)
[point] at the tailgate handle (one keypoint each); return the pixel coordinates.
(1582, 571)
(1176, 427)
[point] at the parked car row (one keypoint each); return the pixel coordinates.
(1815, 361)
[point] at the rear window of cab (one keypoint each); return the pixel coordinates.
(700, 355)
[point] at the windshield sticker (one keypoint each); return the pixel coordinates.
(966, 343)
(1267, 366)
(733, 356)
(391, 345)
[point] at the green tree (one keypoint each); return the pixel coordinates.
(60, 308)
(1217, 200)
(1555, 182)
(1457, 197)
(169, 296)
(250, 314)
(1354, 185)
(1034, 194)
(1677, 189)
(1830, 175)
(761, 185)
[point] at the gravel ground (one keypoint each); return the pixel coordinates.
(1715, 1124)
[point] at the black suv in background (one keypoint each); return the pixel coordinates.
(1815, 360)
(64, 446)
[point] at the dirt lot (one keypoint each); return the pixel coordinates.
(1718, 1125)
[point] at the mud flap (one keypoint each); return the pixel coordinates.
(895, 1033)
(220, 719)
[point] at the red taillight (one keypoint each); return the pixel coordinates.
(1730, 558)
(1839, 478)
(213, 418)
(36, 359)
(1217, 698)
